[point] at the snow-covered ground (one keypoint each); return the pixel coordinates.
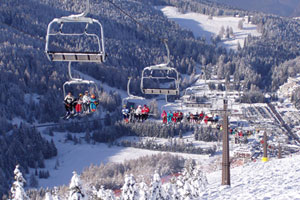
(202, 26)
(277, 179)
(78, 157)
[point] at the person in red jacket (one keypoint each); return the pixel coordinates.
(180, 116)
(206, 119)
(164, 117)
(175, 116)
(145, 113)
(201, 115)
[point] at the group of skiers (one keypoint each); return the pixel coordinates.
(198, 117)
(178, 116)
(140, 114)
(83, 104)
(171, 117)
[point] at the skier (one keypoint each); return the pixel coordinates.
(206, 119)
(132, 114)
(68, 101)
(78, 107)
(164, 117)
(180, 116)
(86, 102)
(175, 116)
(169, 116)
(216, 118)
(201, 116)
(145, 112)
(93, 103)
(138, 113)
(125, 112)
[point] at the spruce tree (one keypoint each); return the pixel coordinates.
(129, 189)
(17, 190)
(156, 191)
(48, 196)
(76, 190)
(143, 191)
(55, 194)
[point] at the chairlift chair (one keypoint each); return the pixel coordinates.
(98, 55)
(78, 81)
(132, 99)
(148, 72)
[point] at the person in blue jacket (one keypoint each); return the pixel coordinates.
(169, 116)
(93, 103)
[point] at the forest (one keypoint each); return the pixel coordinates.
(31, 86)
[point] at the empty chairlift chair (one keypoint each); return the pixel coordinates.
(161, 73)
(56, 29)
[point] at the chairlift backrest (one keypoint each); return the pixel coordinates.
(97, 55)
(147, 73)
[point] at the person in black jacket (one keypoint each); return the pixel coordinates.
(68, 101)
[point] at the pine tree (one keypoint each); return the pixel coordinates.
(17, 190)
(33, 182)
(55, 194)
(129, 189)
(143, 191)
(180, 134)
(156, 191)
(76, 191)
(48, 196)
(199, 182)
(171, 190)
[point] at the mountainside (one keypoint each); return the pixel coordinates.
(31, 85)
(288, 8)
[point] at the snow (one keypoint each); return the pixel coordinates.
(77, 157)
(201, 26)
(276, 179)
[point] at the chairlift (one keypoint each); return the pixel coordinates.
(78, 81)
(192, 99)
(132, 100)
(97, 55)
(161, 72)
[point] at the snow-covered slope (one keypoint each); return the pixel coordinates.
(202, 26)
(278, 7)
(276, 179)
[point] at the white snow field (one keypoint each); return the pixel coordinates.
(278, 179)
(202, 26)
(78, 157)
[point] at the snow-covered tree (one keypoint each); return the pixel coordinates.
(103, 194)
(143, 191)
(156, 191)
(171, 190)
(17, 190)
(76, 191)
(192, 182)
(199, 182)
(48, 196)
(129, 189)
(55, 194)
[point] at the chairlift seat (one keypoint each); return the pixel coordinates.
(76, 56)
(161, 91)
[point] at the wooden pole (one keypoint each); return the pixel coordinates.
(265, 157)
(279, 151)
(225, 154)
